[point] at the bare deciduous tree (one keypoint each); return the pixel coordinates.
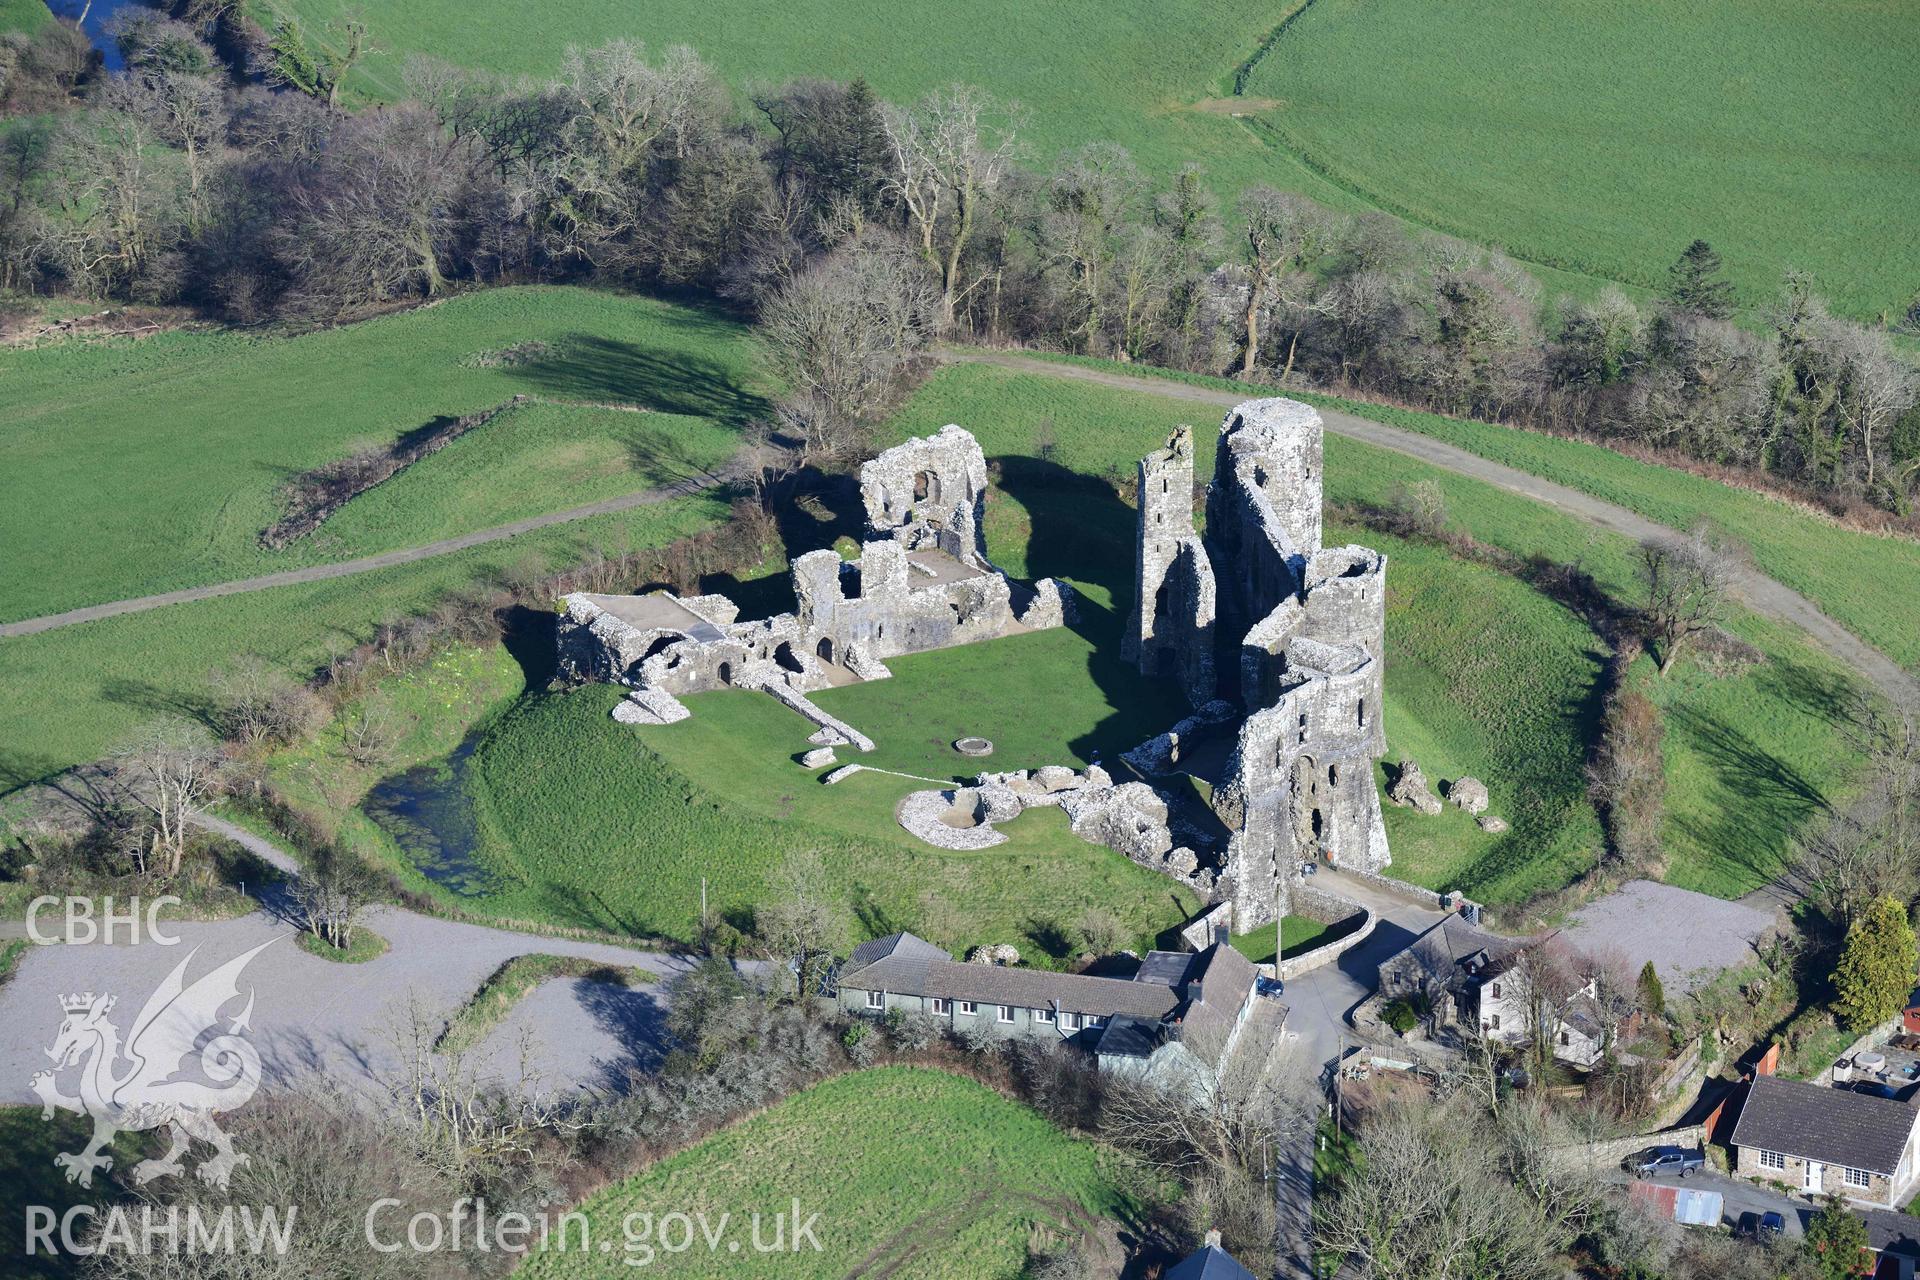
(1438, 1199)
(1686, 578)
(368, 733)
(801, 925)
(839, 335)
(332, 893)
(262, 704)
(168, 772)
(949, 159)
(1282, 233)
(108, 200)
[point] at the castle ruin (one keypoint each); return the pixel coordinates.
(922, 581)
(1277, 642)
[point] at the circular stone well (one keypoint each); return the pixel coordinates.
(973, 746)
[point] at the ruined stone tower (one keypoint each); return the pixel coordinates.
(1172, 629)
(1277, 641)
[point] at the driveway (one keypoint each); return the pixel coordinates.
(347, 1021)
(1738, 1197)
(1320, 1006)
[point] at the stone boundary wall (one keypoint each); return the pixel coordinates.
(1325, 955)
(1609, 1153)
(1317, 904)
(800, 703)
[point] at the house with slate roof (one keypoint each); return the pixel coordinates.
(1180, 1016)
(1470, 978)
(1819, 1139)
(1209, 1262)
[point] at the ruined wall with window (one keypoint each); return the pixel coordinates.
(1306, 676)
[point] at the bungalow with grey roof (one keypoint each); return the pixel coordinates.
(1819, 1139)
(1180, 1014)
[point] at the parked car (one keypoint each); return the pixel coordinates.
(1874, 1089)
(1764, 1228)
(1655, 1161)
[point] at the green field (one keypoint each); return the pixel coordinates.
(137, 468)
(587, 822)
(912, 1173)
(1592, 137)
(583, 821)
(1601, 136)
(72, 694)
(1867, 582)
(1766, 732)
(23, 15)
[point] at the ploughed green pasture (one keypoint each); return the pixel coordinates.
(1592, 138)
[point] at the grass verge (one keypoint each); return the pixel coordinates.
(366, 945)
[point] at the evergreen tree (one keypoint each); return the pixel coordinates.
(1837, 1241)
(1694, 283)
(1876, 970)
(1653, 996)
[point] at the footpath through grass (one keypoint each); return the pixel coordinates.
(132, 468)
(1752, 757)
(1868, 583)
(911, 1171)
(71, 695)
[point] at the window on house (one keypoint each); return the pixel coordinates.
(876, 999)
(1496, 991)
(1043, 1015)
(1095, 1020)
(969, 1007)
(942, 1007)
(1006, 1013)
(1493, 1023)
(1859, 1178)
(1772, 1160)
(1071, 1021)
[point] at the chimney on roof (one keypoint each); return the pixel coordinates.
(1213, 1240)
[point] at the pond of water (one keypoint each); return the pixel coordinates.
(93, 18)
(426, 811)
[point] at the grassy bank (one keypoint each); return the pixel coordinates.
(71, 695)
(142, 467)
(1868, 583)
(911, 1171)
(1767, 731)
(513, 982)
